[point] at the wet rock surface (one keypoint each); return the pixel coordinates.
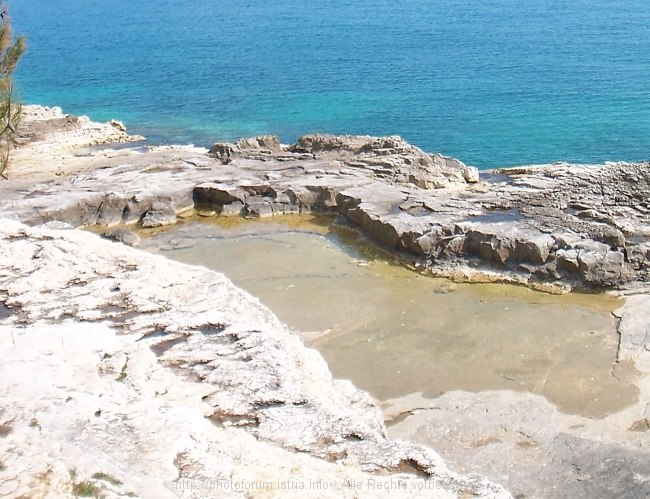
(125, 236)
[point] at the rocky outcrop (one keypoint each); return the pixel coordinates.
(263, 148)
(391, 158)
(158, 215)
(46, 136)
(552, 227)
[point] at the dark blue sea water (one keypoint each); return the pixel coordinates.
(492, 82)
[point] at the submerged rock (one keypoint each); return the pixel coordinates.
(125, 236)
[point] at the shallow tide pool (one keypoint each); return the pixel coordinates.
(394, 332)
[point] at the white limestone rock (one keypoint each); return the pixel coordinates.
(138, 375)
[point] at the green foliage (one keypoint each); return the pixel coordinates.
(10, 107)
(86, 489)
(122, 375)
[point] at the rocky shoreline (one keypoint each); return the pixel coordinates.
(552, 227)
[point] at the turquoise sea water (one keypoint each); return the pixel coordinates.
(491, 82)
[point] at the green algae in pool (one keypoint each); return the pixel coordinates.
(394, 332)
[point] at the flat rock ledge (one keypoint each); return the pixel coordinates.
(128, 374)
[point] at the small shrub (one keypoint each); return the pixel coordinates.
(10, 107)
(85, 489)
